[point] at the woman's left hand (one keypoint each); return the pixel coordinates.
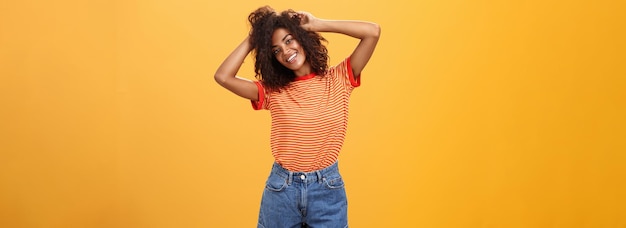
(307, 20)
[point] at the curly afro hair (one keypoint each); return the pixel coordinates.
(269, 71)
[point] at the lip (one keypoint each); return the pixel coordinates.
(291, 58)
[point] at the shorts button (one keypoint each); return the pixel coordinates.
(302, 177)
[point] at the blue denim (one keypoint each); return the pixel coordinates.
(304, 199)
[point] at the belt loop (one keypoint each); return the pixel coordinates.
(289, 178)
(319, 176)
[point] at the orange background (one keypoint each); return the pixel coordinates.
(471, 114)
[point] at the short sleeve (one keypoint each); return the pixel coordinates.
(263, 97)
(355, 80)
(343, 70)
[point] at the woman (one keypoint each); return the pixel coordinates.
(308, 102)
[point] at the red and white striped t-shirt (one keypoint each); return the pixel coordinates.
(309, 118)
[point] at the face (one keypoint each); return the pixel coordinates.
(289, 53)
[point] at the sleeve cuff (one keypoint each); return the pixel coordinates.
(354, 81)
(258, 105)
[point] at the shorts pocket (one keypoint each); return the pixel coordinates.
(333, 182)
(275, 183)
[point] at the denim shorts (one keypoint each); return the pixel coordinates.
(304, 199)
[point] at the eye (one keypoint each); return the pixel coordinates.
(288, 41)
(275, 51)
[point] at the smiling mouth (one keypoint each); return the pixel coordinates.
(292, 57)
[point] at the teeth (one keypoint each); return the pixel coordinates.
(291, 57)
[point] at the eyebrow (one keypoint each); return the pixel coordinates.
(285, 37)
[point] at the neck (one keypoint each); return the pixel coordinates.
(304, 70)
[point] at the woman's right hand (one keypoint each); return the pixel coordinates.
(227, 71)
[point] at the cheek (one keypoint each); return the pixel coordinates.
(296, 45)
(278, 59)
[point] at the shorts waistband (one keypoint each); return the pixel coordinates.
(317, 175)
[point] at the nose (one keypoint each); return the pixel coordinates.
(287, 53)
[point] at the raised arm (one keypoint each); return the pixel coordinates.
(226, 73)
(367, 32)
